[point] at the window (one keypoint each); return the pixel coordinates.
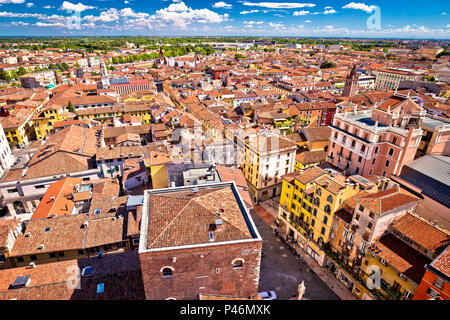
(386, 164)
(394, 140)
(371, 214)
(107, 247)
(357, 217)
(33, 257)
(325, 220)
(330, 199)
(351, 237)
(313, 222)
(80, 252)
(52, 255)
(121, 244)
(407, 293)
(432, 293)
(314, 212)
(370, 225)
(376, 150)
(359, 159)
(319, 191)
(20, 259)
(100, 288)
(167, 272)
(237, 264)
(363, 148)
(363, 246)
(323, 230)
(391, 152)
(327, 208)
(61, 254)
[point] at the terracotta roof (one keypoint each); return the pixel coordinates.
(58, 198)
(423, 233)
(309, 175)
(306, 157)
(387, 200)
(184, 217)
(402, 257)
(442, 262)
(120, 273)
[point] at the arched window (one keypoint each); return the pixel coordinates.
(327, 208)
(315, 212)
(238, 263)
(319, 191)
(325, 220)
(167, 272)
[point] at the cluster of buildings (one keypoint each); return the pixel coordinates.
(140, 179)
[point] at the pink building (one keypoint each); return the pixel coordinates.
(378, 141)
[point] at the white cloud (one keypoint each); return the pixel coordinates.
(253, 22)
(19, 23)
(43, 24)
(222, 4)
(444, 13)
(181, 15)
(301, 13)
(75, 7)
(279, 5)
(247, 12)
(329, 11)
(48, 7)
(12, 1)
(359, 6)
(30, 4)
(307, 21)
(328, 7)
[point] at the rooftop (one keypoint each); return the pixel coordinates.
(189, 216)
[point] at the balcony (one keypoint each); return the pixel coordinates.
(392, 293)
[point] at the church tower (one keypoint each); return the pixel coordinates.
(105, 76)
(351, 83)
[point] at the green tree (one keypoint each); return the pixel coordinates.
(4, 75)
(70, 107)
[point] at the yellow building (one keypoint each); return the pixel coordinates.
(104, 113)
(43, 122)
(308, 202)
(18, 127)
(157, 164)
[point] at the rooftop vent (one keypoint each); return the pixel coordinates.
(52, 198)
(28, 234)
(20, 282)
(32, 265)
(85, 224)
(195, 190)
(41, 246)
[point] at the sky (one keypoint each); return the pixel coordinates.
(412, 19)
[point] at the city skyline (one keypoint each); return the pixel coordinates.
(374, 19)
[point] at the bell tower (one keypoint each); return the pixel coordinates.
(351, 83)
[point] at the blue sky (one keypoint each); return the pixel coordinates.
(325, 18)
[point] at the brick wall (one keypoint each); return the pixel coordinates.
(207, 270)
